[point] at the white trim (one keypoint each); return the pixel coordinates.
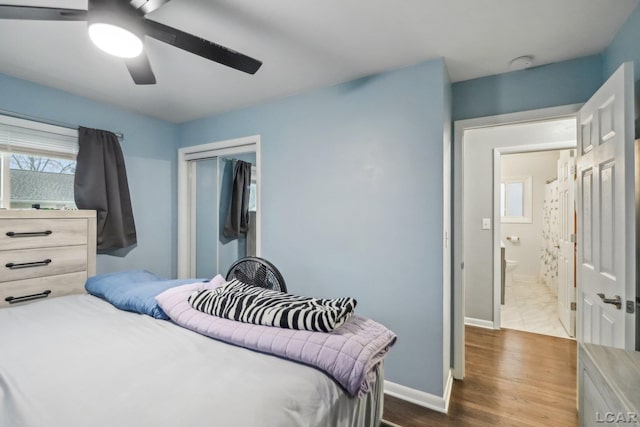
(460, 126)
(219, 190)
(5, 184)
(247, 144)
(183, 216)
(480, 323)
(193, 194)
(497, 291)
(63, 148)
(448, 388)
(217, 149)
(422, 398)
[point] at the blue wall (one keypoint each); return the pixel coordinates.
(351, 179)
(150, 153)
(624, 47)
(351, 184)
(560, 83)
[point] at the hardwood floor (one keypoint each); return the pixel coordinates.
(513, 378)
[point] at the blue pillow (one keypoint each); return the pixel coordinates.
(103, 284)
(134, 290)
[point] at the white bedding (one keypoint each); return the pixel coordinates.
(78, 361)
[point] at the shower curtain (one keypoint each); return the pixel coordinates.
(550, 237)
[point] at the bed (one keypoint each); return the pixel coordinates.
(79, 361)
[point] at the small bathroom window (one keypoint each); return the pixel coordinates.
(515, 200)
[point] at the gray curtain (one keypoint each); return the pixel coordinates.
(237, 222)
(101, 184)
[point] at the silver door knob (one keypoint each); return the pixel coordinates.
(615, 300)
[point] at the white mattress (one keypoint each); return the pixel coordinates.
(78, 361)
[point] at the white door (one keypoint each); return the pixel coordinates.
(606, 214)
(566, 239)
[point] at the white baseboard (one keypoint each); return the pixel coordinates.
(422, 398)
(480, 323)
(448, 388)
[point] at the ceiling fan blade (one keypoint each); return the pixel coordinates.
(41, 13)
(147, 6)
(140, 70)
(202, 47)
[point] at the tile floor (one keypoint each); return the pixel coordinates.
(531, 307)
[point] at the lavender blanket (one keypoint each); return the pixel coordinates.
(349, 354)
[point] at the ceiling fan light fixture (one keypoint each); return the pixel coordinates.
(115, 40)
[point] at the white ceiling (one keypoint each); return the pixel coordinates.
(304, 45)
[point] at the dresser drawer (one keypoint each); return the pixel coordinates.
(42, 233)
(28, 263)
(40, 288)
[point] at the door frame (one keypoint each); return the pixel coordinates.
(186, 196)
(460, 127)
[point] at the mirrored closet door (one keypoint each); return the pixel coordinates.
(206, 217)
(209, 239)
(236, 240)
(224, 217)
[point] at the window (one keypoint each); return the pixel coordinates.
(515, 200)
(37, 164)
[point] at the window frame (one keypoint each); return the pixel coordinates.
(5, 152)
(5, 185)
(527, 200)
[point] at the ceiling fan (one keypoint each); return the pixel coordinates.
(118, 27)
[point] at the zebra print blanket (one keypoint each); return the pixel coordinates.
(250, 304)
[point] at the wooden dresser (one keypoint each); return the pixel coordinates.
(45, 253)
(608, 386)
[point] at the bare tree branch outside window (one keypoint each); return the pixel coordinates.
(41, 164)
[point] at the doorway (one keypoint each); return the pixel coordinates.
(477, 211)
(605, 212)
(205, 177)
(537, 242)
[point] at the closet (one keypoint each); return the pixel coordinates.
(206, 174)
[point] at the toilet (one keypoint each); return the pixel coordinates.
(511, 265)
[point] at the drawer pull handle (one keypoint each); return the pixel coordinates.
(14, 300)
(14, 266)
(29, 233)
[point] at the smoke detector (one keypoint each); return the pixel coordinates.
(521, 62)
